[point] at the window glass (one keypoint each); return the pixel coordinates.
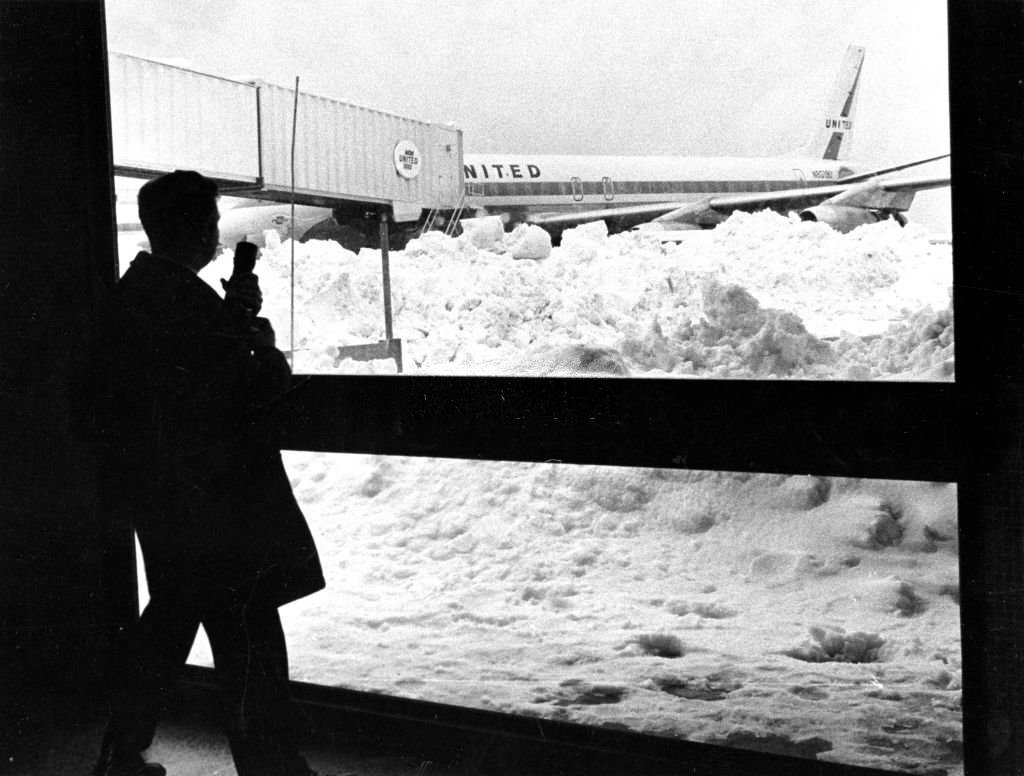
(813, 616)
(760, 295)
(810, 616)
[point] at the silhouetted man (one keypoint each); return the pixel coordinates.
(191, 462)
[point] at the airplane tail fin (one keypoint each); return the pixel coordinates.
(834, 134)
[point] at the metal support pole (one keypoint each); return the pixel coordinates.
(386, 273)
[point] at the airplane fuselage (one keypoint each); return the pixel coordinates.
(535, 183)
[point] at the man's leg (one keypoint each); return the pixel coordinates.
(251, 659)
(151, 663)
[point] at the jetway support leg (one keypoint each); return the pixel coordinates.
(389, 347)
(389, 334)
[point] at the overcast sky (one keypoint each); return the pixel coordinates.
(736, 77)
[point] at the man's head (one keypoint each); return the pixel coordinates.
(179, 213)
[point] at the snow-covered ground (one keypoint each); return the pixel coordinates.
(810, 616)
(817, 617)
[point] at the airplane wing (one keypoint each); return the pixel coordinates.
(863, 176)
(842, 206)
(628, 213)
(872, 194)
(864, 191)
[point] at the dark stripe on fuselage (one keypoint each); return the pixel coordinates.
(625, 188)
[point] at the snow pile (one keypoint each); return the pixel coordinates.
(761, 295)
(529, 242)
(483, 233)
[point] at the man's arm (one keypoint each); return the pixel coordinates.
(271, 376)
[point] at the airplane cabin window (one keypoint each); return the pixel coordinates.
(578, 189)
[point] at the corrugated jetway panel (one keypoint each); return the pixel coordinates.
(167, 118)
(349, 152)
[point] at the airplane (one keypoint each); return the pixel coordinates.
(557, 192)
(353, 225)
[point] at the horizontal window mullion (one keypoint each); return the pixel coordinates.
(881, 430)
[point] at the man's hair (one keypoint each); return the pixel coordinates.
(175, 207)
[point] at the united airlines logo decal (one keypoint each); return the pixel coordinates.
(407, 159)
(501, 171)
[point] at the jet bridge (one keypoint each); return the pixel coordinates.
(268, 142)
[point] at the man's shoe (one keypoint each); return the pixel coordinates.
(128, 766)
(301, 768)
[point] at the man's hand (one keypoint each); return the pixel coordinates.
(261, 334)
(243, 291)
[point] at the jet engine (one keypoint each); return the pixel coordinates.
(844, 218)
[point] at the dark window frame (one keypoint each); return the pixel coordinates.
(979, 421)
